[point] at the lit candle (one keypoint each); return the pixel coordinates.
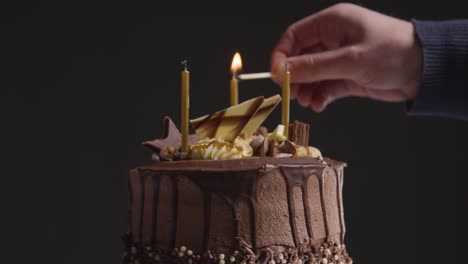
(185, 103)
(236, 65)
(285, 101)
(234, 91)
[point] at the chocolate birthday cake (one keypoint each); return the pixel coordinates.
(241, 194)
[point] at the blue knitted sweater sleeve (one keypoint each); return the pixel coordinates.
(444, 82)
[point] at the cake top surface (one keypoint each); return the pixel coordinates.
(244, 164)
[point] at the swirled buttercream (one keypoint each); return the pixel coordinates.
(308, 151)
(218, 149)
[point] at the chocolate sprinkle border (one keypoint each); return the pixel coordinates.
(326, 253)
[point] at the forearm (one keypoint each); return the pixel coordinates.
(443, 88)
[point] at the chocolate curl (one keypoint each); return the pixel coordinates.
(299, 133)
(264, 148)
(272, 148)
(261, 149)
(260, 146)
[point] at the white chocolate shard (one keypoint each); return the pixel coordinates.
(227, 124)
(277, 134)
(262, 113)
(236, 118)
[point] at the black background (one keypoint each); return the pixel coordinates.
(84, 85)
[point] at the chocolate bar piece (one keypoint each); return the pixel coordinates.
(299, 133)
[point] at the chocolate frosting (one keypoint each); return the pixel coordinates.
(228, 204)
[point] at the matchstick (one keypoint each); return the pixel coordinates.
(252, 76)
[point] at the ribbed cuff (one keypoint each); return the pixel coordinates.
(444, 80)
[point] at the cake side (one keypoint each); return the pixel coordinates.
(258, 209)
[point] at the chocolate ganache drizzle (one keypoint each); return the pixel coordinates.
(224, 205)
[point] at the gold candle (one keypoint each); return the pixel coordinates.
(234, 91)
(185, 103)
(236, 66)
(285, 101)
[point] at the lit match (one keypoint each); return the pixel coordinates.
(252, 76)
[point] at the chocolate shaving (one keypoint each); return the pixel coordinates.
(272, 148)
(264, 148)
(260, 146)
(288, 147)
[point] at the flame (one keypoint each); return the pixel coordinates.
(236, 64)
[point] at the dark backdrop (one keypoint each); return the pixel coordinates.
(86, 84)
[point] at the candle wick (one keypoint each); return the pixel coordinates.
(184, 62)
(286, 67)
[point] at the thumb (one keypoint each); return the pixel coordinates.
(341, 63)
(330, 91)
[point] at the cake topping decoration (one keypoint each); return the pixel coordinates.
(277, 134)
(167, 147)
(299, 133)
(262, 113)
(259, 144)
(218, 149)
(227, 124)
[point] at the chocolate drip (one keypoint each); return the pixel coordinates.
(235, 217)
(130, 202)
(322, 202)
(292, 215)
(235, 181)
(232, 187)
(305, 199)
(339, 178)
(157, 187)
(142, 205)
(252, 219)
(253, 212)
(298, 176)
(175, 209)
(207, 214)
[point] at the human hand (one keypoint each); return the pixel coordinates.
(347, 50)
